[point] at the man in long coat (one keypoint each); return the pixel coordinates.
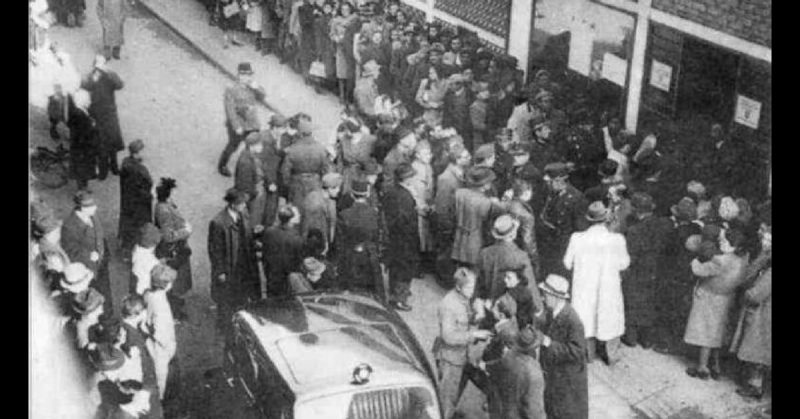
(241, 100)
(282, 251)
(562, 215)
(358, 241)
(304, 164)
(319, 208)
(249, 177)
(234, 275)
(563, 355)
(271, 157)
(502, 256)
(519, 380)
(400, 210)
(112, 14)
(444, 217)
(647, 241)
(136, 198)
(83, 241)
(596, 257)
(474, 210)
(102, 83)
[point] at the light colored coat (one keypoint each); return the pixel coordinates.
(473, 211)
(596, 257)
(162, 344)
(112, 14)
(752, 341)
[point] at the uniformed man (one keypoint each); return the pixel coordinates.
(240, 112)
(359, 235)
(561, 216)
(305, 162)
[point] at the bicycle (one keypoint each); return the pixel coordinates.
(50, 167)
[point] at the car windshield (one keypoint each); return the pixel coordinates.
(336, 352)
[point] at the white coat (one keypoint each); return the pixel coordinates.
(596, 257)
(162, 345)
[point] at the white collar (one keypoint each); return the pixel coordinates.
(234, 215)
(559, 308)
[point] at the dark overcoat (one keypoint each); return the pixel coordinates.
(566, 394)
(103, 108)
(305, 163)
(358, 237)
(136, 200)
(400, 210)
(79, 240)
(271, 158)
(474, 213)
(647, 240)
(521, 385)
(283, 253)
(174, 246)
(495, 259)
(84, 144)
(230, 250)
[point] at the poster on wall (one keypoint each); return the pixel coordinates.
(748, 112)
(615, 69)
(580, 49)
(660, 75)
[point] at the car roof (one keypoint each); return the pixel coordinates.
(315, 340)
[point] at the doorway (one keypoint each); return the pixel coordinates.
(707, 86)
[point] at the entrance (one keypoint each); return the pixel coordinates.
(707, 84)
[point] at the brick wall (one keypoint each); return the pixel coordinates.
(489, 15)
(747, 19)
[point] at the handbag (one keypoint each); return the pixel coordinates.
(231, 9)
(317, 69)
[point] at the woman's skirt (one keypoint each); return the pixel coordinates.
(708, 319)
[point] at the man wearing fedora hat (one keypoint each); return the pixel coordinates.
(234, 274)
(83, 240)
(502, 256)
(403, 252)
(647, 241)
(596, 257)
(359, 235)
(136, 197)
(304, 163)
(240, 100)
(563, 214)
(563, 354)
(474, 209)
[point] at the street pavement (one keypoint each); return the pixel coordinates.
(172, 99)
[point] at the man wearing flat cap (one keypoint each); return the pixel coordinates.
(647, 242)
(136, 197)
(240, 112)
(319, 208)
(474, 211)
(234, 274)
(305, 162)
(358, 240)
(562, 215)
(400, 211)
(83, 240)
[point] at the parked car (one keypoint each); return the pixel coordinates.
(330, 355)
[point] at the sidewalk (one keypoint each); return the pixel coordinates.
(287, 94)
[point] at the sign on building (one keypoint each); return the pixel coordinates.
(580, 49)
(615, 69)
(660, 75)
(748, 112)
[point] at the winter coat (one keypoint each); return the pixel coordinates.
(454, 316)
(520, 384)
(112, 14)
(358, 237)
(162, 343)
(566, 394)
(318, 212)
(456, 113)
(326, 50)
(713, 299)
(400, 212)
(392, 161)
(596, 257)
(474, 214)
(136, 200)
(230, 250)
(422, 187)
(79, 240)
(646, 242)
(350, 155)
(526, 235)
(283, 253)
(493, 260)
(249, 175)
(174, 247)
(304, 164)
(84, 144)
(343, 30)
(752, 341)
(103, 108)
(444, 201)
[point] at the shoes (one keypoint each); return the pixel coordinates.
(225, 172)
(750, 391)
(662, 348)
(646, 344)
(714, 373)
(697, 373)
(628, 343)
(236, 42)
(399, 305)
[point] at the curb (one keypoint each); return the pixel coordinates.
(211, 60)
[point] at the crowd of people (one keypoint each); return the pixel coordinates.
(558, 234)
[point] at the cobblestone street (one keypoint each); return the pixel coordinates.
(172, 100)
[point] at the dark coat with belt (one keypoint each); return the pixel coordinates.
(566, 394)
(84, 143)
(305, 163)
(647, 241)
(520, 386)
(103, 108)
(230, 250)
(400, 211)
(283, 253)
(136, 200)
